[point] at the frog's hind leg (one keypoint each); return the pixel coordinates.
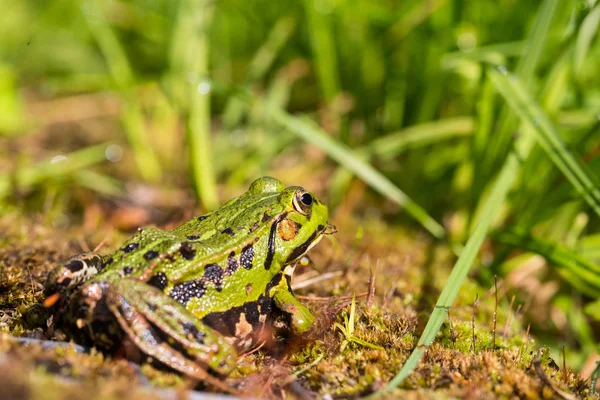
(162, 328)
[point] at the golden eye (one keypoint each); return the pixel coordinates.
(302, 201)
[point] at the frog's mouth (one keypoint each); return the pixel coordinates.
(311, 242)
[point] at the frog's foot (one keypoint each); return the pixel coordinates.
(301, 319)
(166, 331)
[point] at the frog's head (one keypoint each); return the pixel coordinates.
(300, 223)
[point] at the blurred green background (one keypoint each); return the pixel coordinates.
(431, 104)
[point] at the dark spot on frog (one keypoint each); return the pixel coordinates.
(271, 244)
(288, 280)
(126, 309)
(150, 254)
(223, 364)
(150, 336)
(127, 270)
(75, 265)
(265, 304)
(247, 256)
(254, 227)
(106, 263)
(190, 329)
(65, 282)
(193, 237)
(130, 247)
(152, 306)
(274, 282)
(265, 217)
(320, 228)
(185, 291)
(187, 250)
(265, 301)
(214, 273)
(248, 289)
(159, 281)
(228, 231)
(298, 251)
(224, 321)
(232, 264)
(252, 313)
(202, 217)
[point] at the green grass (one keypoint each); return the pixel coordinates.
(478, 120)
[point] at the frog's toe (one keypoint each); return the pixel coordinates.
(165, 330)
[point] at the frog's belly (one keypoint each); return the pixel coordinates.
(250, 324)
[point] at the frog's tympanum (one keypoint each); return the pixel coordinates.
(190, 296)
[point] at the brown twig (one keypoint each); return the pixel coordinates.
(452, 331)
(317, 298)
(527, 338)
(316, 279)
(473, 322)
(564, 365)
(103, 241)
(254, 350)
(537, 363)
(372, 276)
(509, 318)
(495, 313)
(83, 244)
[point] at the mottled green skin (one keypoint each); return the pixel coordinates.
(226, 267)
(214, 246)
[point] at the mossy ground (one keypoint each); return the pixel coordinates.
(409, 272)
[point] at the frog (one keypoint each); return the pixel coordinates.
(194, 296)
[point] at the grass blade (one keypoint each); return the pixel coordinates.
(123, 77)
(587, 32)
(355, 163)
(418, 14)
(100, 183)
(582, 273)
(57, 168)
(500, 141)
(323, 46)
(194, 19)
(396, 143)
(259, 65)
(460, 270)
(421, 135)
(589, 246)
(515, 94)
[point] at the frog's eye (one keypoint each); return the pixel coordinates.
(302, 201)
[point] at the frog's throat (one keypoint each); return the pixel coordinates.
(307, 249)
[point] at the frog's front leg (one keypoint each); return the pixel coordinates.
(301, 317)
(164, 329)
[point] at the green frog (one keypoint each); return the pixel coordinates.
(191, 296)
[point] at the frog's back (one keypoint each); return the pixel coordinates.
(207, 264)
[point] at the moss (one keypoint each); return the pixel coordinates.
(411, 275)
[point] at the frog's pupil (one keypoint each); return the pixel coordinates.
(307, 199)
